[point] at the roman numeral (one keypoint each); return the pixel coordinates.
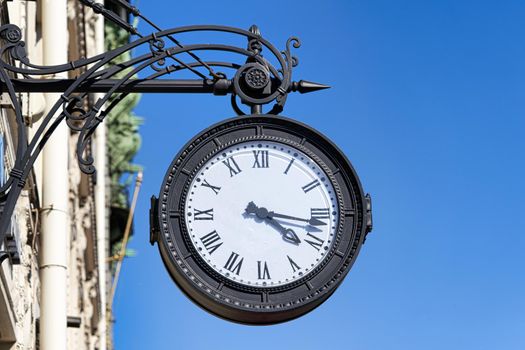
(262, 271)
(215, 189)
(295, 267)
(231, 263)
(307, 188)
(211, 241)
(289, 166)
(203, 214)
(317, 243)
(232, 166)
(320, 213)
(261, 159)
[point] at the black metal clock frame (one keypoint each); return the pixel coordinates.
(258, 304)
(255, 82)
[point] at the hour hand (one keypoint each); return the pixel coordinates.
(288, 234)
(262, 213)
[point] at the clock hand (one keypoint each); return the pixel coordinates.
(311, 221)
(288, 234)
(262, 213)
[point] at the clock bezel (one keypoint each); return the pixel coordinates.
(255, 288)
(201, 282)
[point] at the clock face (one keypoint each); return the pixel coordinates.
(259, 219)
(262, 213)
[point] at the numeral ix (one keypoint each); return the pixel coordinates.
(203, 214)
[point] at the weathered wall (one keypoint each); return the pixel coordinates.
(19, 284)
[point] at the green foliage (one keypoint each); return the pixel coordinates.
(123, 125)
(115, 252)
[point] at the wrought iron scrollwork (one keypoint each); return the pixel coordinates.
(253, 79)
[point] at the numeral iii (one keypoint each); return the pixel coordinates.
(320, 213)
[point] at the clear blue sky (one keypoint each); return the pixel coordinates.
(428, 102)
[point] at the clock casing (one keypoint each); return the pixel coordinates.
(205, 272)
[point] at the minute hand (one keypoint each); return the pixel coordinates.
(311, 221)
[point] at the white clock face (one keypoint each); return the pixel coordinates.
(262, 213)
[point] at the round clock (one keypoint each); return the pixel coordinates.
(259, 219)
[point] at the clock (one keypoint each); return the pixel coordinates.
(259, 219)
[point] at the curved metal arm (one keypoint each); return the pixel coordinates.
(253, 78)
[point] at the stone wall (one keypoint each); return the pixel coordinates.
(19, 283)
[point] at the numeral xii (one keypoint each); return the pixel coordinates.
(262, 159)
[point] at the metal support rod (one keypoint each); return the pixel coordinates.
(136, 85)
(219, 87)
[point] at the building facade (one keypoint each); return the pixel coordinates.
(56, 297)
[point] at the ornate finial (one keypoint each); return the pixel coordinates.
(255, 30)
(304, 86)
(254, 45)
(11, 33)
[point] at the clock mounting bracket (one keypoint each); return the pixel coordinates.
(260, 74)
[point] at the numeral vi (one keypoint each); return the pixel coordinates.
(262, 271)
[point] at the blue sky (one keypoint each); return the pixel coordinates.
(427, 101)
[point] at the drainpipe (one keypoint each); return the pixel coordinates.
(55, 193)
(101, 201)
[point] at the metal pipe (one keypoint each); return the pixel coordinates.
(55, 193)
(101, 203)
(256, 109)
(122, 252)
